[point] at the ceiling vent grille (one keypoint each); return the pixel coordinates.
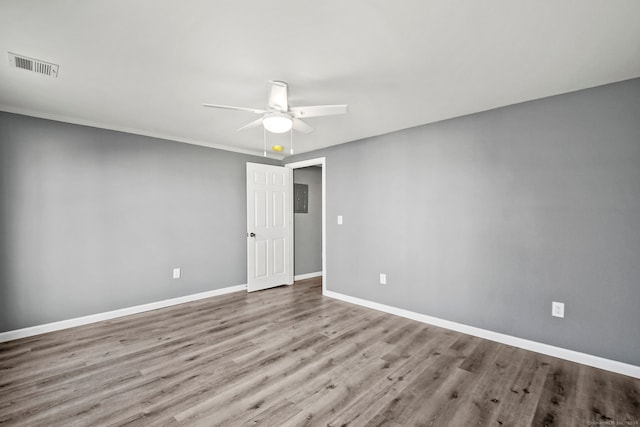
(33, 65)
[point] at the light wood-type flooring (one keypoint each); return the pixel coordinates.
(290, 357)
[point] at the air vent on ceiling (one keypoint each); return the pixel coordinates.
(34, 65)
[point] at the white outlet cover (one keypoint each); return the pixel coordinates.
(383, 279)
(557, 309)
(339, 219)
(176, 273)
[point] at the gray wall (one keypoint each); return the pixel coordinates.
(308, 227)
(95, 220)
(487, 219)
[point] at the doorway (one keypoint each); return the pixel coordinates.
(309, 243)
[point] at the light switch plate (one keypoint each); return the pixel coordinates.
(176, 273)
(339, 219)
(557, 309)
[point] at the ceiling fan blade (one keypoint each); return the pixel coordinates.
(229, 107)
(318, 110)
(277, 96)
(253, 124)
(301, 126)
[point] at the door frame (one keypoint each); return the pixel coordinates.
(322, 161)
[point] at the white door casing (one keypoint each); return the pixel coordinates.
(269, 226)
(322, 162)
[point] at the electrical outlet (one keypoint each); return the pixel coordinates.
(339, 219)
(176, 273)
(557, 309)
(383, 279)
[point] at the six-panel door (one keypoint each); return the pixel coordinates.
(268, 226)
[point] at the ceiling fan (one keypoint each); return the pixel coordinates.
(279, 116)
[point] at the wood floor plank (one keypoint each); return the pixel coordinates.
(290, 357)
(294, 378)
(341, 389)
(519, 407)
(481, 400)
(380, 394)
(557, 402)
(410, 399)
(275, 415)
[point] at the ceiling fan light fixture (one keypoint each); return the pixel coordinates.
(279, 117)
(277, 123)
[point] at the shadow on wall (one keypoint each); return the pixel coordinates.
(4, 234)
(4, 274)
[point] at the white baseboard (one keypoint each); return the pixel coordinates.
(562, 353)
(92, 318)
(307, 275)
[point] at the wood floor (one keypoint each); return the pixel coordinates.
(291, 357)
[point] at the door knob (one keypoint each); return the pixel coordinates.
(252, 234)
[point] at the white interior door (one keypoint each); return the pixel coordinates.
(269, 232)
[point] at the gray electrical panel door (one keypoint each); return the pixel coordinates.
(300, 198)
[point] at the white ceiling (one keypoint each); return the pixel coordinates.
(147, 66)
